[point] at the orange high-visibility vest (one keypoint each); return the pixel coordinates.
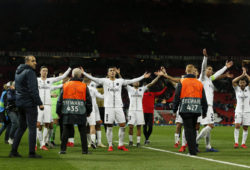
(191, 95)
(191, 88)
(74, 90)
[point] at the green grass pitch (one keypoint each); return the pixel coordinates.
(142, 158)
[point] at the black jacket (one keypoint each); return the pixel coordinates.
(74, 118)
(177, 99)
(27, 94)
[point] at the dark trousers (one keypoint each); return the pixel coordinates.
(148, 127)
(71, 132)
(7, 126)
(14, 123)
(189, 122)
(67, 131)
(61, 127)
(27, 117)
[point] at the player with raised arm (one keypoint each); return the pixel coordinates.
(45, 86)
(94, 117)
(242, 110)
(135, 112)
(207, 77)
(113, 103)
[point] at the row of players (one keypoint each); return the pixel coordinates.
(113, 104)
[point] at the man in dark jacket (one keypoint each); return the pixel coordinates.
(73, 105)
(27, 100)
(190, 100)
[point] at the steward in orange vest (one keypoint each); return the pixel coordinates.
(74, 102)
(190, 100)
(190, 96)
(73, 105)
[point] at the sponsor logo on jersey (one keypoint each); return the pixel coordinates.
(113, 89)
(136, 95)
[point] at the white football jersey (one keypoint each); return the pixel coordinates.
(135, 97)
(94, 94)
(207, 82)
(112, 89)
(45, 87)
(243, 99)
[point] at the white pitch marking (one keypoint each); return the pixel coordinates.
(195, 157)
(198, 157)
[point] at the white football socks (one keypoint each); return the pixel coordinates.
(39, 136)
(121, 135)
(93, 138)
(184, 141)
(236, 135)
(45, 134)
(203, 133)
(138, 139)
(207, 140)
(176, 137)
(130, 138)
(109, 135)
(244, 136)
(99, 136)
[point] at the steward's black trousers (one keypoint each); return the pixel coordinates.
(190, 121)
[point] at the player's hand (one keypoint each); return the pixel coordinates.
(41, 107)
(204, 51)
(159, 73)
(82, 70)
(244, 71)
(228, 75)
(229, 64)
(117, 70)
(146, 75)
(163, 69)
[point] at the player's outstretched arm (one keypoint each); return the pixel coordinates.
(163, 73)
(56, 87)
(65, 74)
(204, 64)
(221, 71)
(98, 94)
(234, 82)
(145, 75)
(153, 82)
(97, 80)
(226, 75)
(247, 76)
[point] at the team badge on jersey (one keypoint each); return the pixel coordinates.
(117, 84)
(48, 82)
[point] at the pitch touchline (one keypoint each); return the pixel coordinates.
(195, 157)
(198, 157)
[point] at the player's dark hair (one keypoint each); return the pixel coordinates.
(244, 79)
(111, 67)
(209, 66)
(42, 67)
